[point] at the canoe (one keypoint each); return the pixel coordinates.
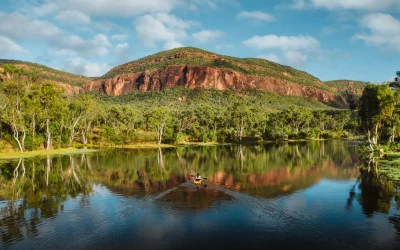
(197, 181)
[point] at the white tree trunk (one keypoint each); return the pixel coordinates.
(16, 137)
(72, 128)
(241, 129)
(160, 133)
(48, 146)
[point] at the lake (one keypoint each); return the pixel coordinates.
(305, 195)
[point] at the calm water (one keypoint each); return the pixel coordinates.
(287, 196)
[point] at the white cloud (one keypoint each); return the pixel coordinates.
(9, 46)
(206, 36)
(258, 15)
(113, 7)
(45, 9)
(299, 4)
(283, 42)
(119, 37)
(346, 4)
(25, 27)
(164, 28)
(63, 52)
(121, 49)
(270, 57)
(212, 4)
(72, 17)
(295, 58)
(384, 31)
(82, 67)
(294, 48)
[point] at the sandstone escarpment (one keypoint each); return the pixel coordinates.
(204, 77)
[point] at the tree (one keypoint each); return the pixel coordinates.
(53, 104)
(377, 105)
(241, 116)
(296, 117)
(79, 108)
(396, 83)
(15, 110)
(159, 119)
(186, 120)
(92, 112)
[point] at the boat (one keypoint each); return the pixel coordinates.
(197, 181)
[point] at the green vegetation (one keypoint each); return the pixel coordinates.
(344, 85)
(36, 71)
(38, 116)
(380, 121)
(197, 57)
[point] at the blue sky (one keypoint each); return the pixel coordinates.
(330, 39)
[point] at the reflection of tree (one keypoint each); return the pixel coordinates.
(374, 192)
(39, 188)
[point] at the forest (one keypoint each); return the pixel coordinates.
(37, 115)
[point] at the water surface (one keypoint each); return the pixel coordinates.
(309, 195)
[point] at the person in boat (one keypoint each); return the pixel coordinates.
(198, 177)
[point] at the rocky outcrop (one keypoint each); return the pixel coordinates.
(69, 89)
(205, 77)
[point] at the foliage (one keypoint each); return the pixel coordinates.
(37, 115)
(380, 112)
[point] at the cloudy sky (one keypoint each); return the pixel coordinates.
(331, 39)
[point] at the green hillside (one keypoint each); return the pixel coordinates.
(198, 57)
(343, 85)
(267, 101)
(46, 73)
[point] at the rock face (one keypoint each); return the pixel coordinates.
(69, 89)
(205, 77)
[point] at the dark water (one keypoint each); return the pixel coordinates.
(288, 196)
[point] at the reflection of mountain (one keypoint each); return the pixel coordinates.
(139, 189)
(191, 199)
(282, 180)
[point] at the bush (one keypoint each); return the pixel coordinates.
(276, 135)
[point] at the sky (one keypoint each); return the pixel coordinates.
(330, 39)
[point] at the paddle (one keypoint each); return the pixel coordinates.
(205, 178)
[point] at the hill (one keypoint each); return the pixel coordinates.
(71, 82)
(197, 57)
(194, 68)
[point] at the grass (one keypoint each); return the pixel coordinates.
(61, 151)
(390, 166)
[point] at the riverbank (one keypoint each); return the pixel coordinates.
(389, 166)
(95, 148)
(28, 154)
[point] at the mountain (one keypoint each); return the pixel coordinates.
(195, 68)
(72, 83)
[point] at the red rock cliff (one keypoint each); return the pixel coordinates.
(204, 77)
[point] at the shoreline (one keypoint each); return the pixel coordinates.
(96, 148)
(35, 153)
